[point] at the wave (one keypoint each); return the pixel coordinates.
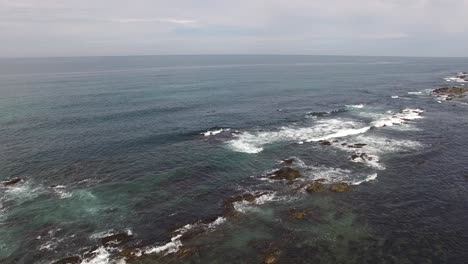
(244, 206)
(99, 256)
(336, 175)
(357, 106)
(214, 132)
(253, 142)
(400, 118)
(176, 241)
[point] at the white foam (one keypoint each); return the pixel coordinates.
(63, 194)
(358, 106)
(395, 96)
(400, 118)
(244, 206)
(336, 175)
(175, 243)
(111, 232)
(214, 132)
(415, 93)
(248, 142)
(220, 220)
(369, 160)
(376, 144)
(455, 79)
(370, 177)
(100, 256)
(170, 247)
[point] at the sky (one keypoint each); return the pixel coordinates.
(44, 28)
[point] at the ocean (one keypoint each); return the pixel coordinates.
(175, 159)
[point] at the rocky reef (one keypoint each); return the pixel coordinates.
(12, 181)
(286, 173)
(451, 90)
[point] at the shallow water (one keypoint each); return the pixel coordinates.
(148, 145)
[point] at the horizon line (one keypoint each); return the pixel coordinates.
(229, 54)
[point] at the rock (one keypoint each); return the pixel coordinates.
(339, 187)
(286, 173)
(288, 161)
(12, 181)
(325, 142)
(116, 239)
(450, 90)
(357, 145)
(69, 260)
(314, 187)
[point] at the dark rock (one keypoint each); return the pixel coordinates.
(357, 145)
(354, 156)
(314, 187)
(339, 187)
(325, 142)
(116, 239)
(318, 113)
(12, 181)
(286, 173)
(69, 260)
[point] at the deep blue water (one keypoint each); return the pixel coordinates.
(116, 144)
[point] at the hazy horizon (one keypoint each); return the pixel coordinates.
(51, 28)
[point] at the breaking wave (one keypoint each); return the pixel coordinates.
(253, 142)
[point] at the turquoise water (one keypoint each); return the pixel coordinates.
(147, 145)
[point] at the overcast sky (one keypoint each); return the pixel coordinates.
(320, 27)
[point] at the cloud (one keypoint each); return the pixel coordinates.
(153, 20)
(118, 27)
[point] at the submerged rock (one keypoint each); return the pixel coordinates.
(298, 215)
(116, 239)
(339, 187)
(286, 173)
(12, 181)
(69, 260)
(288, 161)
